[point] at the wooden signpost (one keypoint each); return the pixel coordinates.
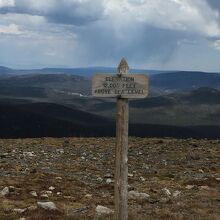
(124, 86)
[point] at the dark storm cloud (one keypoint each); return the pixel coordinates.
(215, 4)
(59, 11)
(147, 32)
(140, 44)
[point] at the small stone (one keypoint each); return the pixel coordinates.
(109, 181)
(51, 188)
(47, 205)
(201, 171)
(102, 210)
(4, 155)
(142, 178)
(59, 193)
(218, 179)
(83, 158)
(5, 191)
(164, 200)
(136, 195)
(176, 193)
(190, 186)
(130, 175)
(88, 195)
(58, 178)
(204, 187)
(19, 210)
(166, 191)
(33, 193)
(60, 151)
(29, 154)
(99, 179)
(44, 196)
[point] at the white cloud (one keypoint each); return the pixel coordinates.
(7, 3)
(183, 15)
(10, 29)
(216, 44)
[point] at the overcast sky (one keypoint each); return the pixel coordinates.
(151, 34)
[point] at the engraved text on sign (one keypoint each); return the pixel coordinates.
(125, 85)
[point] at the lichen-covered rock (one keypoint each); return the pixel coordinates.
(138, 196)
(102, 210)
(47, 205)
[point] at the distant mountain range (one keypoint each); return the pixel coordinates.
(185, 80)
(58, 103)
(86, 72)
(160, 83)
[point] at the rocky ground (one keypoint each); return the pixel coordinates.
(72, 178)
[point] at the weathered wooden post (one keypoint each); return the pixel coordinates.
(123, 86)
(121, 156)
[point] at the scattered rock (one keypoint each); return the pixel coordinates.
(4, 155)
(51, 188)
(29, 154)
(60, 151)
(102, 210)
(47, 205)
(190, 186)
(33, 193)
(88, 195)
(58, 178)
(137, 196)
(165, 200)
(142, 178)
(204, 188)
(99, 179)
(166, 191)
(130, 175)
(20, 211)
(109, 181)
(44, 196)
(176, 193)
(5, 191)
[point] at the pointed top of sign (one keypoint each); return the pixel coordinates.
(123, 67)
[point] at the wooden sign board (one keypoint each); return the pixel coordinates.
(125, 85)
